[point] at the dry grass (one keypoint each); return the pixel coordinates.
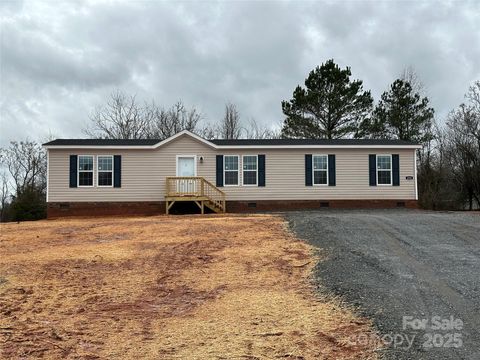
(222, 287)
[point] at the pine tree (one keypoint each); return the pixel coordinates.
(330, 106)
(401, 114)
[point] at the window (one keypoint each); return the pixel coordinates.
(105, 170)
(250, 169)
(384, 169)
(230, 170)
(85, 170)
(320, 169)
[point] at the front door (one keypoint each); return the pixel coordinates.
(186, 168)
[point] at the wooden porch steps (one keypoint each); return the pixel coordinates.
(195, 189)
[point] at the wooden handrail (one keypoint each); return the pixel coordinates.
(213, 186)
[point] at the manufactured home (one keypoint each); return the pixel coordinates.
(112, 177)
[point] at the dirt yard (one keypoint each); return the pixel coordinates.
(219, 287)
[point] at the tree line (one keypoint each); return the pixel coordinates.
(123, 117)
(330, 105)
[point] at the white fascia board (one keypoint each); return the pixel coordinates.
(184, 132)
(233, 147)
(319, 147)
(96, 147)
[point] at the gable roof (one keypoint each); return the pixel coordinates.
(229, 144)
(120, 143)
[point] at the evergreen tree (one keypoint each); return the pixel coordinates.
(29, 204)
(330, 106)
(401, 114)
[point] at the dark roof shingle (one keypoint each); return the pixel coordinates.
(234, 142)
(286, 142)
(102, 142)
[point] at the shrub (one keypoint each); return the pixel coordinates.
(28, 205)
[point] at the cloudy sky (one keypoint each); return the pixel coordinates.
(61, 59)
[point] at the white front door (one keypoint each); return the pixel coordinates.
(186, 167)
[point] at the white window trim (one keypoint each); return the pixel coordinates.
(256, 171)
(194, 157)
(99, 171)
(238, 171)
(93, 171)
(313, 170)
(377, 169)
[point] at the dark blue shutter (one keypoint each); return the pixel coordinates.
(396, 170)
(308, 170)
(332, 178)
(117, 171)
(219, 170)
(372, 169)
(73, 171)
(261, 170)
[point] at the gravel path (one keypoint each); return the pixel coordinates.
(396, 263)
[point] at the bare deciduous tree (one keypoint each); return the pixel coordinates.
(473, 122)
(410, 75)
(4, 195)
(120, 118)
(165, 123)
(449, 169)
(207, 132)
(463, 137)
(123, 118)
(254, 130)
(230, 127)
(26, 163)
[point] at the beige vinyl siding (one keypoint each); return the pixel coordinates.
(144, 172)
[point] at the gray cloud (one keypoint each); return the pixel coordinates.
(60, 60)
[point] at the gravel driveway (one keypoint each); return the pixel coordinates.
(401, 263)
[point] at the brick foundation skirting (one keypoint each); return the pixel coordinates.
(63, 209)
(280, 205)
